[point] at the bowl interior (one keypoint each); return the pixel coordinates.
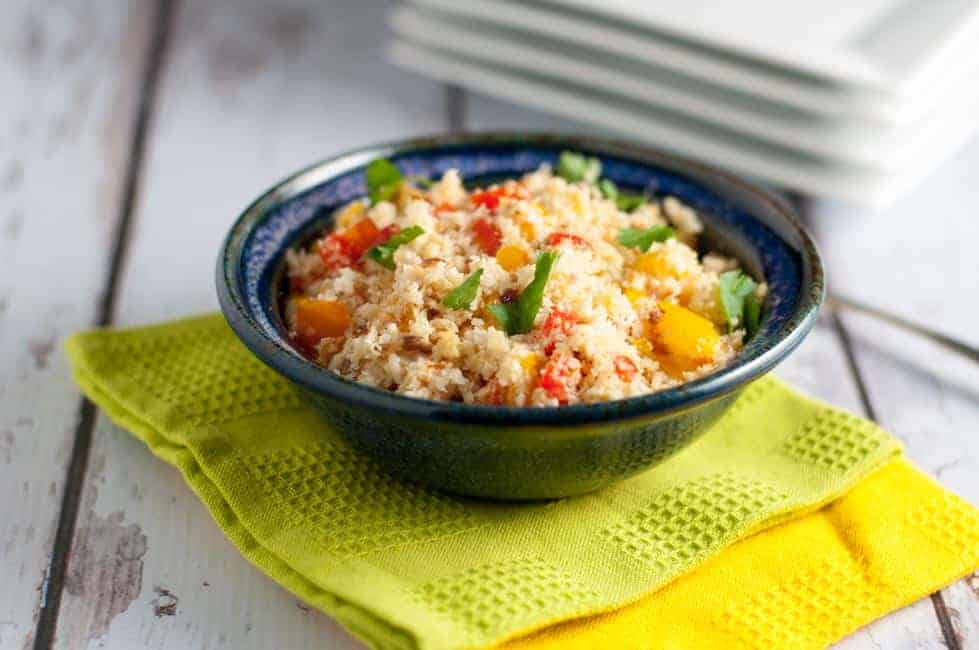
(739, 221)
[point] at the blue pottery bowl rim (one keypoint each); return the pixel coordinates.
(272, 348)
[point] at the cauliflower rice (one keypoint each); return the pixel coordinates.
(615, 321)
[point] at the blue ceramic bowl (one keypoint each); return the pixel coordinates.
(508, 452)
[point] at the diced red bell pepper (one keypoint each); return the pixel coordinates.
(559, 323)
(337, 253)
(362, 235)
(560, 377)
(625, 368)
(488, 236)
(345, 248)
(386, 233)
(489, 199)
(558, 237)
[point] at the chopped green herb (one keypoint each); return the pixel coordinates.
(463, 295)
(530, 300)
(383, 180)
(574, 167)
(735, 287)
(383, 254)
(629, 202)
(502, 314)
(608, 189)
(623, 201)
(752, 313)
(517, 317)
(643, 239)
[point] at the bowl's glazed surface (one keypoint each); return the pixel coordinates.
(518, 461)
(506, 452)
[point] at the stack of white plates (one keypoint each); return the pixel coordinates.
(854, 99)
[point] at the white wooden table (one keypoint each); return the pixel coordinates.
(132, 133)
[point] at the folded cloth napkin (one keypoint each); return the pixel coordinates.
(404, 567)
(894, 538)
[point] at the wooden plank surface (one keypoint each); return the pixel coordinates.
(70, 74)
(918, 260)
(250, 94)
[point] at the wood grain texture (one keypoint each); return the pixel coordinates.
(962, 603)
(250, 93)
(919, 260)
(70, 74)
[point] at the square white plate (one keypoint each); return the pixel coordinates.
(668, 130)
(755, 79)
(868, 145)
(890, 45)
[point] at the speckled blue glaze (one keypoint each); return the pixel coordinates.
(740, 220)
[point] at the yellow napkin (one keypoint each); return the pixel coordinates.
(893, 539)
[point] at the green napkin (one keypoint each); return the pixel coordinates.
(404, 567)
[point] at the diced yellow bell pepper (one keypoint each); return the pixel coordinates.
(320, 319)
(530, 363)
(350, 214)
(643, 346)
(527, 230)
(655, 263)
(683, 340)
(633, 295)
(511, 257)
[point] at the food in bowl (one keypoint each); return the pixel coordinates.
(552, 289)
(520, 452)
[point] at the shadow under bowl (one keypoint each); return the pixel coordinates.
(511, 452)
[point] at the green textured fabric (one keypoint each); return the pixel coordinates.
(403, 567)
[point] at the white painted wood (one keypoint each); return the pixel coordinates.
(919, 260)
(69, 74)
(819, 368)
(251, 92)
(251, 95)
(962, 600)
